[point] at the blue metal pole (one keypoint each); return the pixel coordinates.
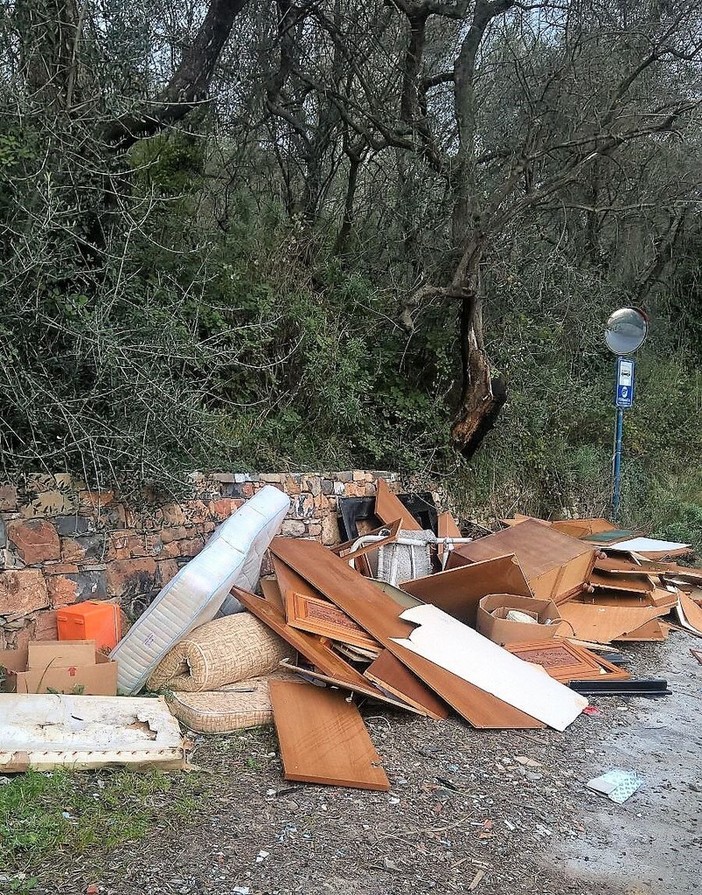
(617, 491)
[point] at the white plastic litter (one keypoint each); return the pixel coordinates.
(231, 557)
(616, 784)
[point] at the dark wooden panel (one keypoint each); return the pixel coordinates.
(390, 674)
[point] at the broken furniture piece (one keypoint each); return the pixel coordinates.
(41, 732)
(555, 565)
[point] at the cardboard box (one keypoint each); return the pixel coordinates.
(502, 631)
(71, 667)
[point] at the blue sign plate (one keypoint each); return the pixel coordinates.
(624, 396)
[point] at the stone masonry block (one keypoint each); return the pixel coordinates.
(63, 590)
(70, 526)
(128, 577)
(8, 498)
(22, 591)
(35, 541)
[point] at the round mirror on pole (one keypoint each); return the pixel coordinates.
(626, 331)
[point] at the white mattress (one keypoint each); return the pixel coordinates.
(231, 557)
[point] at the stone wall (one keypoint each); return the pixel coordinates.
(61, 543)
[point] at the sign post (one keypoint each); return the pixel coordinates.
(623, 399)
(625, 333)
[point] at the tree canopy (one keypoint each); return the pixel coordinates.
(350, 233)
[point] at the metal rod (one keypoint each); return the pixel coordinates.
(617, 467)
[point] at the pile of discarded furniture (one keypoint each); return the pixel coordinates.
(511, 630)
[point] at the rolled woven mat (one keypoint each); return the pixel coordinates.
(223, 651)
(235, 707)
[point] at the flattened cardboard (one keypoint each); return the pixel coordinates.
(503, 631)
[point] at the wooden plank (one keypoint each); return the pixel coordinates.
(323, 738)
(691, 612)
(287, 665)
(640, 584)
(271, 592)
(447, 527)
(660, 599)
(458, 591)
(313, 648)
(389, 507)
(653, 631)
(603, 623)
(380, 616)
(345, 548)
(555, 565)
(576, 528)
(322, 617)
(390, 674)
(462, 651)
(567, 662)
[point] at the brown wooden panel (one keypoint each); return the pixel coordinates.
(577, 528)
(318, 652)
(567, 662)
(389, 507)
(693, 613)
(602, 623)
(447, 527)
(640, 584)
(659, 599)
(271, 592)
(289, 581)
(379, 615)
(458, 591)
(324, 618)
(655, 631)
(390, 674)
(323, 738)
(555, 565)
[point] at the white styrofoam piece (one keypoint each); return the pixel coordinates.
(646, 545)
(86, 731)
(231, 557)
(462, 651)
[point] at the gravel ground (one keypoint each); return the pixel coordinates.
(503, 811)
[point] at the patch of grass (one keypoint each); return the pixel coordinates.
(79, 813)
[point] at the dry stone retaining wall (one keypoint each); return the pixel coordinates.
(61, 543)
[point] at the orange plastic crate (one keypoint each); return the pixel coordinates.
(91, 620)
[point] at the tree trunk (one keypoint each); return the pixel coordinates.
(482, 395)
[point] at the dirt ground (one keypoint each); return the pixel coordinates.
(490, 812)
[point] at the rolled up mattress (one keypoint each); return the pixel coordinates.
(235, 707)
(223, 651)
(231, 557)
